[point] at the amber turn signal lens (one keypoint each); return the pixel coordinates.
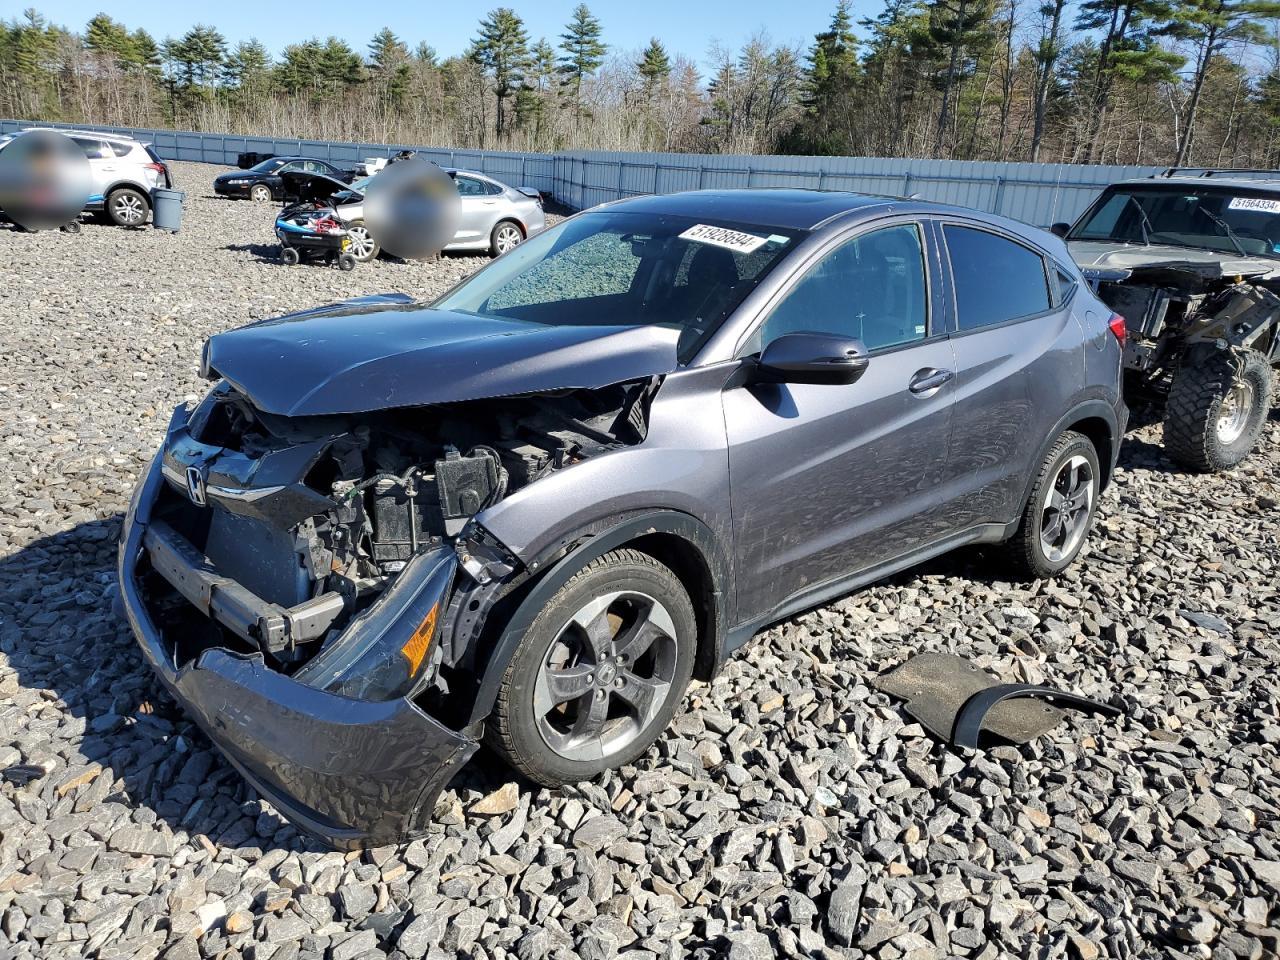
(416, 649)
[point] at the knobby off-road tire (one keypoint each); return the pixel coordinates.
(1060, 511)
(1216, 410)
(576, 701)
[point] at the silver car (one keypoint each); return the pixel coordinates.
(123, 172)
(494, 216)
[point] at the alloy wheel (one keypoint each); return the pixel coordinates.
(606, 676)
(1233, 413)
(362, 245)
(128, 208)
(260, 193)
(1064, 515)
(508, 236)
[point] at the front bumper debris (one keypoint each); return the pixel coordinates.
(350, 772)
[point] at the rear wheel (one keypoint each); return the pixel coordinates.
(599, 673)
(289, 256)
(1059, 513)
(363, 247)
(127, 207)
(506, 235)
(260, 192)
(1216, 410)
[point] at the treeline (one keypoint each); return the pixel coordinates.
(1108, 81)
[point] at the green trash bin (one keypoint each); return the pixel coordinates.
(166, 209)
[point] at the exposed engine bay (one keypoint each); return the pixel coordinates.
(1169, 307)
(315, 516)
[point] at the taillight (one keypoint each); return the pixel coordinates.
(1116, 326)
(157, 167)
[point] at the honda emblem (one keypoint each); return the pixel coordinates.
(195, 486)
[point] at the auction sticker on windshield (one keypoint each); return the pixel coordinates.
(1254, 203)
(724, 237)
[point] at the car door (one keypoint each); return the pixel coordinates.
(1017, 361)
(102, 165)
(827, 480)
(476, 210)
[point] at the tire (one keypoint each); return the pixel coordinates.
(506, 235)
(614, 705)
(346, 262)
(1217, 409)
(260, 193)
(127, 207)
(289, 256)
(1047, 542)
(72, 227)
(363, 247)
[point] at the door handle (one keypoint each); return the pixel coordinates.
(928, 380)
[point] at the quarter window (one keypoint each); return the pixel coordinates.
(871, 288)
(995, 280)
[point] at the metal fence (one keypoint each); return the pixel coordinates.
(1038, 193)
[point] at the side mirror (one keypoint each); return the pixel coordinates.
(811, 358)
(1060, 229)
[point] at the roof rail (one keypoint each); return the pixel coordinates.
(1212, 172)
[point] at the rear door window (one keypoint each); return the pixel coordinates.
(119, 149)
(995, 279)
(93, 149)
(469, 186)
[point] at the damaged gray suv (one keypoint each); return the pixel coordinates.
(529, 513)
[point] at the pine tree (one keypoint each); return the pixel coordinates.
(583, 52)
(502, 52)
(1211, 26)
(248, 69)
(654, 66)
(389, 66)
(111, 39)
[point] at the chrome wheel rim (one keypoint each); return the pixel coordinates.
(606, 676)
(260, 193)
(362, 245)
(1064, 514)
(508, 237)
(127, 208)
(1233, 413)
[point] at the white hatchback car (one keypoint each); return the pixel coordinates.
(123, 171)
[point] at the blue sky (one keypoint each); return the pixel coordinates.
(684, 26)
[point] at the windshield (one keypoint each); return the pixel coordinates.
(1224, 220)
(266, 166)
(617, 268)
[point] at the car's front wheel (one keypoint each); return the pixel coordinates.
(1217, 409)
(599, 673)
(260, 193)
(1060, 510)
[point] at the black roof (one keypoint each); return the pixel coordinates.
(791, 209)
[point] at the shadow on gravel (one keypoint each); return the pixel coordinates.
(73, 654)
(265, 252)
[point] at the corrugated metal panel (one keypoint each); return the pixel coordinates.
(1035, 193)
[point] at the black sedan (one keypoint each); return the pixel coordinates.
(262, 181)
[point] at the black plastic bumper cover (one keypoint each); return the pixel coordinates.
(352, 773)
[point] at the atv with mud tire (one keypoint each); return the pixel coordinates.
(1192, 263)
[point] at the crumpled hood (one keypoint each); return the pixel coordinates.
(1135, 256)
(380, 352)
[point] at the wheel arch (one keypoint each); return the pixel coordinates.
(1097, 420)
(127, 185)
(678, 540)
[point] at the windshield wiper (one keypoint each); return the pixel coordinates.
(1145, 223)
(1222, 224)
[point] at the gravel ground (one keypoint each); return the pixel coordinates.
(791, 811)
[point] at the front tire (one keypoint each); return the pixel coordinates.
(598, 674)
(260, 193)
(1216, 410)
(127, 207)
(1060, 510)
(289, 256)
(506, 235)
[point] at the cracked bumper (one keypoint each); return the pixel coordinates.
(350, 772)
